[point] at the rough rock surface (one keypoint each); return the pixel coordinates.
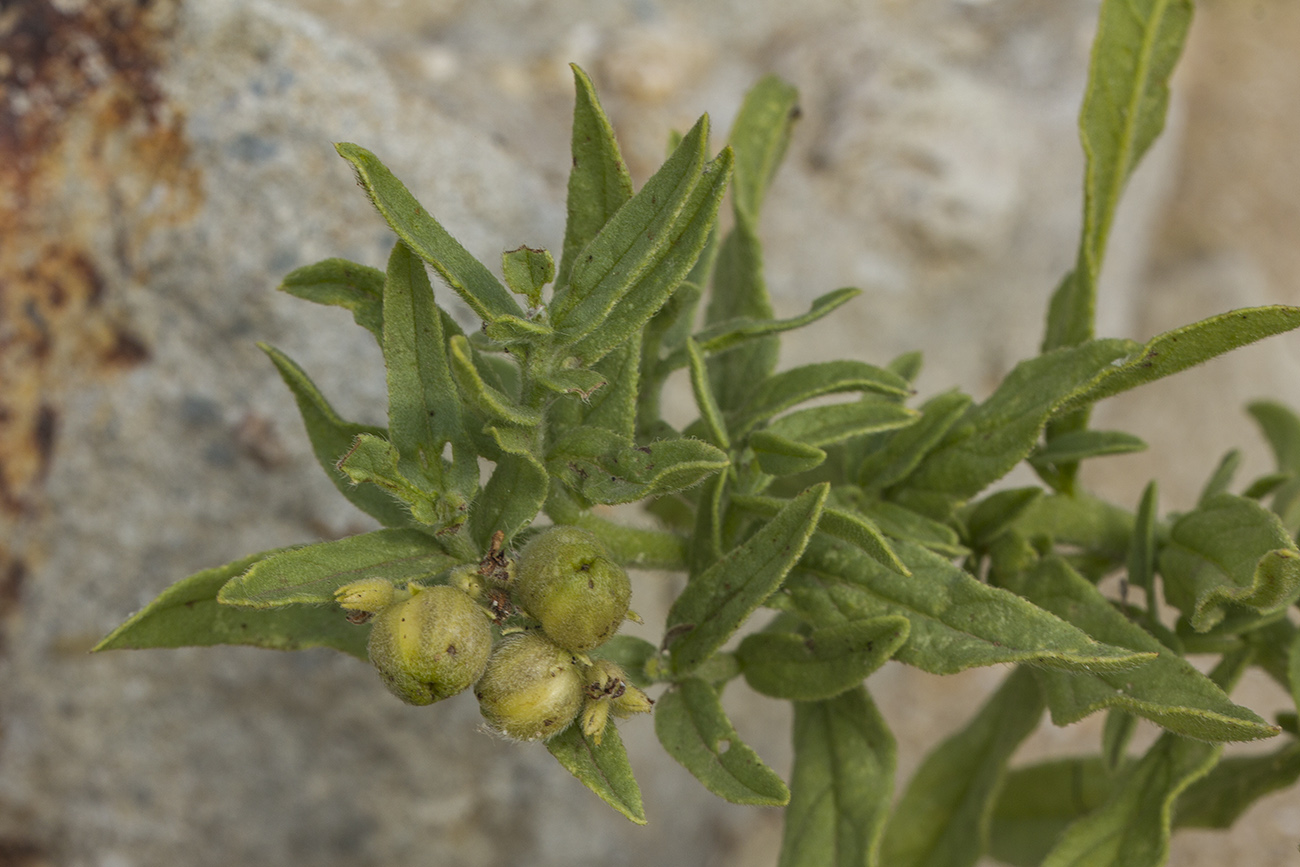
(163, 164)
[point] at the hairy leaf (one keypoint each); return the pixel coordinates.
(375, 460)
(822, 664)
(852, 527)
(604, 469)
(1222, 796)
(602, 768)
(827, 425)
(792, 387)
(1281, 427)
(1038, 802)
(345, 284)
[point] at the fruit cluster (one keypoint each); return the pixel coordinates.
(563, 597)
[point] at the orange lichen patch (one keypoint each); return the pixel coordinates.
(92, 162)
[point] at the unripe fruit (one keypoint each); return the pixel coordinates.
(531, 689)
(567, 581)
(431, 646)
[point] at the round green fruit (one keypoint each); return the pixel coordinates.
(431, 646)
(532, 689)
(567, 580)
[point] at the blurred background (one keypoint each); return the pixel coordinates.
(163, 163)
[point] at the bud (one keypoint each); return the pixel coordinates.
(608, 691)
(569, 583)
(531, 689)
(370, 595)
(430, 646)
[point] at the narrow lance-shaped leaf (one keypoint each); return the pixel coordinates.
(599, 183)
(1138, 42)
(704, 398)
(1036, 803)
(514, 494)
(1221, 479)
(331, 437)
(187, 614)
(605, 469)
(792, 387)
(428, 239)
(716, 603)
(1223, 795)
(312, 573)
(602, 767)
(826, 425)
(490, 402)
(843, 779)
(1281, 427)
(1142, 553)
(374, 459)
(943, 818)
(345, 284)
(822, 664)
(782, 456)
(907, 447)
(853, 527)
(695, 731)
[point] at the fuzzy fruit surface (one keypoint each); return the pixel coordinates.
(569, 583)
(532, 689)
(431, 646)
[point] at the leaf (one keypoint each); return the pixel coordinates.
(331, 437)
(613, 407)
(827, 425)
(187, 614)
(822, 664)
(604, 469)
(428, 239)
(905, 448)
(375, 460)
(957, 621)
(704, 399)
(733, 332)
(852, 527)
(490, 402)
(1167, 690)
(602, 768)
(1229, 551)
(779, 456)
(1177, 350)
(1281, 427)
(512, 330)
(695, 731)
(526, 271)
(599, 183)
(997, 434)
(942, 819)
(995, 514)
(716, 603)
(345, 284)
(1142, 553)
(900, 522)
(1080, 520)
(1132, 828)
(1038, 802)
(760, 135)
(311, 574)
(631, 654)
(1137, 45)
(844, 757)
(1221, 478)
(1222, 796)
(513, 495)
(792, 387)
(1080, 445)
(423, 412)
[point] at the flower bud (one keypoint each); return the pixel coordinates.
(607, 691)
(369, 595)
(531, 689)
(430, 646)
(568, 582)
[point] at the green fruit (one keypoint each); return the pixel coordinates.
(531, 689)
(568, 582)
(431, 646)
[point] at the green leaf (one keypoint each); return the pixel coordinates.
(1167, 690)
(957, 621)
(996, 435)
(1080, 520)
(1116, 733)
(695, 731)
(716, 603)
(604, 469)
(822, 664)
(1080, 445)
(423, 412)
(1142, 553)
(779, 456)
(792, 387)
(582, 382)
(1281, 427)
(734, 332)
(526, 271)
(331, 437)
(599, 183)
(1220, 480)
(494, 405)
(1038, 802)
(637, 547)
(905, 448)
(844, 757)
(1137, 45)
(187, 614)
(852, 527)
(995, 514)
(375, 460)
(760, 135)
(1222, 796)
(513, 495)
(1293, 669)
(900, 522)
(604, 769)
(943, 818)
(704, 399)
(312, 573)
(1185, 347)
(827, 425)
(511, 330)
(613, 406)
(631, 654)
(1229, 551)
(341, 283)
(1132, 828)
(428, 239)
